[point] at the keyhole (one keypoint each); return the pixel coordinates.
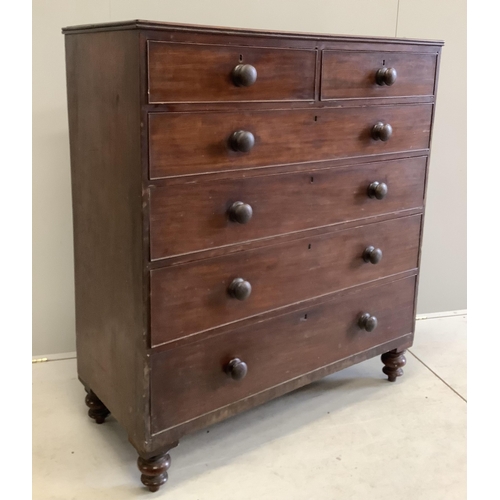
(312, 179)
(241, 57)
(315, 118)
(383, 62)
(309, 247)
(304, 318)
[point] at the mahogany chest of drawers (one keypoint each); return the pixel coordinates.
(247, 216)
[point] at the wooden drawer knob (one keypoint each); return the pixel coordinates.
(377, 190)
(386, 76)
(244, 75)
(240, 212)
(381, 131)
(236, 369)
(242, 141)
(367, 322)
(240, 289)
(372, 254)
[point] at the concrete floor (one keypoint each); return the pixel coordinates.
(350, 436)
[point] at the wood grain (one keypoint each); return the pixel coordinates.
(281, 204)
(226, 33)
(191, 381)
(347, 75)
(190, 143)
(280, 275)
(153, 177)
(104, 127)
(202, 73)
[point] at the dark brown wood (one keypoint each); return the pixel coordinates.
(282, 169)
(242, 141)
(244, 75)
(372, 254)
(240, 212)
(240, 289)
(347, 76)
(211, 418)
(280, 204)
(97, 409)
(189, 143)
(154, 470)
(193, 31)
(381, 131)
(378, 190)
(229, 203)
(236, 369)
(293, 307)
(104, 127)
(205, 73)
(279, 238)
(394, 361)
(436, 79)
(367, 322)
(279, 275)
(275, 351)
(386, 76)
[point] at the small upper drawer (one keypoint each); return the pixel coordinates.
(227, 211)
(212, 73)
(353, 75)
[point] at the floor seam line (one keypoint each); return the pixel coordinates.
(425, 318)
(440, 378)
(53, 360)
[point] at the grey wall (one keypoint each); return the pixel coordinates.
(443, 278)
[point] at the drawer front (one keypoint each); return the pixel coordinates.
(189, 298)
(206, 73)
(206, 216)
(191, 143)
(191, 381)
(351, 75)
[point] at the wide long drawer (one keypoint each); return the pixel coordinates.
(189, 298)
(183, 72)
(193, 143)
(195, 379)
(223, 212)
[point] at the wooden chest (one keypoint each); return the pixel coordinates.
(248, 215)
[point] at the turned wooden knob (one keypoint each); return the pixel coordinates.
(244, 75)
(367, 322)
(381, 131)
(242, 141)
(240, 212)
(240, 289)
(386, 76)
(372, 254)
(236, 369)
(377, 190)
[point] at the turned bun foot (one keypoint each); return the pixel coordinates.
(154, 471)
(97, 410)
(394, 361)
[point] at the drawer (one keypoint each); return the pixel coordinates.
(215, 213)
(352, 75)
(191, 381)
(192, 143)
(211, 73)
(193, 297)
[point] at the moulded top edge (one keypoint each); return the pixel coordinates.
(157, 25)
